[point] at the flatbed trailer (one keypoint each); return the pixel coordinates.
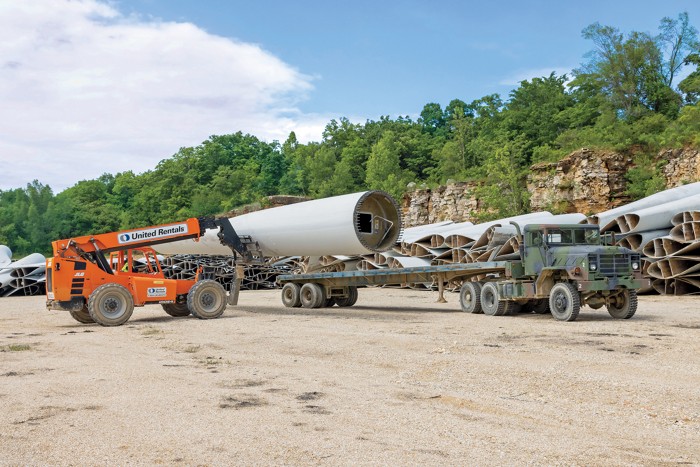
(562, 267)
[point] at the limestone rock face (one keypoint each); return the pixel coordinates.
(585, 181)
(682, 166)
(455, 202)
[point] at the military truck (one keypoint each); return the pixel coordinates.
(561, 268)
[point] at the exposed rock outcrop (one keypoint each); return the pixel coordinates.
(455, 202)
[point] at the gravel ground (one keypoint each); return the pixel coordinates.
(397, 379)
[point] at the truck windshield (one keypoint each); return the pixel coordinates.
(572, 237)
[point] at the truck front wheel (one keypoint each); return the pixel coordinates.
(623, 305)
(206, 299)
(564, 302)
(111, 305)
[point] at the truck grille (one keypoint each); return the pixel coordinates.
(612, 265)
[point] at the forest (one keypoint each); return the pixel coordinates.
(634, 92)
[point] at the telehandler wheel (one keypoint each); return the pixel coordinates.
(490, 303)
(291, 295)
(624, 306)
(470, 297)
(207, 299)
(350, 300)
(110, 305)
(176, 309)
(82, 315)
(564, 301)
(312, 295)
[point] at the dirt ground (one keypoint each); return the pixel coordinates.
(397, 379)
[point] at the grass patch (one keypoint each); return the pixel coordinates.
(151, 331)
(192, 349)
(18, 347)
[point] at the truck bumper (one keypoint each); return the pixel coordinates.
(611, 283)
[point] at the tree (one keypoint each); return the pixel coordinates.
(680, 40)
(383, 169)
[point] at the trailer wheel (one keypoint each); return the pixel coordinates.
(329, 302)
(110, 305)
(350, 300)
(470, 297)
(490, 302)
(312, 295)
(82, 315)
(207, 299)
(564, 302)
(291, 295)
(624, 306)
(176, 310)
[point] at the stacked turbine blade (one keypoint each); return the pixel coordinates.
(665, 229)
(24, 277)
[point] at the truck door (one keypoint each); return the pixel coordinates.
(533, 254)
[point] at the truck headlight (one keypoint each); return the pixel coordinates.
(592, 266)
(635, 265)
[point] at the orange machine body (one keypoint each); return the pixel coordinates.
(80, 265)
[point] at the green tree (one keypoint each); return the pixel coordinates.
(383, 168)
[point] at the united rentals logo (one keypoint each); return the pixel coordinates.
(152, 234)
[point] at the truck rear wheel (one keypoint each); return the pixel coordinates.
(82, 315)
(564, 302)
(291, 295)
(312, 295)
(470, 297)
(207, 299)
(490, 302)
(350, 300)
(176, 309)
(110, 305)
(624, 304)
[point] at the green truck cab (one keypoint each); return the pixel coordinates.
(562, 267)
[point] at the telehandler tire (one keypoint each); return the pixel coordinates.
(564, 302)
(110, 305)
(207, 299)
(312, 295)
(350, 300)
(625, 305)
(470, 297)
(176, 310)
(82, 315)
(291, 295)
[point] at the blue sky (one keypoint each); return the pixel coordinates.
(371, 58)
(106, 86)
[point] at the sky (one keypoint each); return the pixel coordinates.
(95, 86)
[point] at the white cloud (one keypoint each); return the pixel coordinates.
(527, 75)
(85, 90)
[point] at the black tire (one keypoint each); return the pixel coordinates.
(350, 300)
(177, 310)
(312, 295)
(82, 315)
(470, 297)
(625, 305)
(291, 295)
(206, 299)
(328, 302)
(539, 306)
(512, 308)
(490, 302)
(564, 302)
(110, 305)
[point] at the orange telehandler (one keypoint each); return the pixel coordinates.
(101, 278)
